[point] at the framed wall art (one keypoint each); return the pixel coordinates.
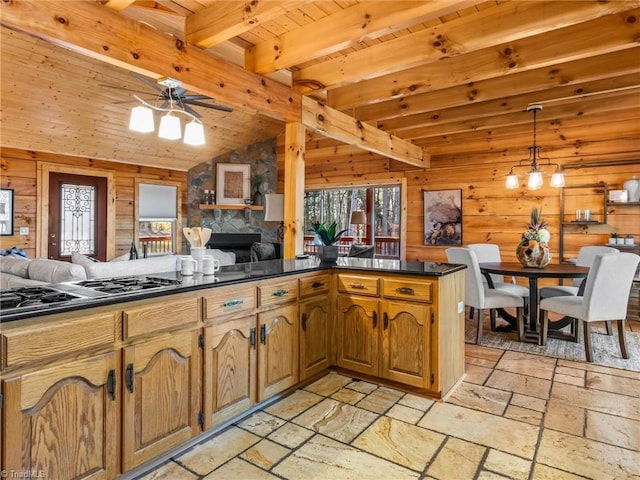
(232, 183)
(442, 217)
(6, 211)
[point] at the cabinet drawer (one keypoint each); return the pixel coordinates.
(314, 285)
(358, 284)
(406, 289)
(67, 337)
(277, 293)
(230, 301)
(161, 314)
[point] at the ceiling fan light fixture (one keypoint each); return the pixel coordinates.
(194, 133)
(170, 127)
(141, 120)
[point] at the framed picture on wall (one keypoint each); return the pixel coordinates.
(6, 211)
(442, 217)
(233, 183)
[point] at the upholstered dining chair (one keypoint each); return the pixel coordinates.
(490, 252)
(586, 255)
(480, 296)
(606, 295)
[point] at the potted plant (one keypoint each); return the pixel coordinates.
(612, 238)
(328, 251)
(256, 184)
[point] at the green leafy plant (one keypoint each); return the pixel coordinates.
(537, 228)
(257, 180)
(327, 235)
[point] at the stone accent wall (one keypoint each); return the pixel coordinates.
(262, 158)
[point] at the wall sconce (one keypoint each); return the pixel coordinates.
(358, 218)
(274, 212)
(535, 174)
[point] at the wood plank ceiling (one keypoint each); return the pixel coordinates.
(452, 77)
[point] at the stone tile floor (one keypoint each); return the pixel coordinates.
(516, 415)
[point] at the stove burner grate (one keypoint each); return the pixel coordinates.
(127, 284)
(29, 296)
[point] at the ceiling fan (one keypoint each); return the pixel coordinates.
(170, 92)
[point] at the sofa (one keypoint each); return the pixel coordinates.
(20, 272)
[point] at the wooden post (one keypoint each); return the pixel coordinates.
(294, 189)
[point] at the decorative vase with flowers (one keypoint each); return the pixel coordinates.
(328, 251)
(533, 249)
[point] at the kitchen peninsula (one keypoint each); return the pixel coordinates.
(135, 375)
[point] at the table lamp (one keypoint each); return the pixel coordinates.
(274, 212)
(358, 218)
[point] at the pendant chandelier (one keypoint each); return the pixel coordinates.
(535, 174)
(142, 120)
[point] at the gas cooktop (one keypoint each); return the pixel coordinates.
(33, 296)
(127, 284)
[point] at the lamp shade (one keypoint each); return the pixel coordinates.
(511, 181)
(358, 218)
(194, 133)
(169, 127)
(535, 180)
(141, 120)
(274, 207)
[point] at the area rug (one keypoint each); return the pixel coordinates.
(606, 350)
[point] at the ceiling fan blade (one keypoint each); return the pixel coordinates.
(179, 92)
(149, 83)
(187, 108)
(209, 105)
(196, 96)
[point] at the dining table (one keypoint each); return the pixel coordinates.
(516, 269)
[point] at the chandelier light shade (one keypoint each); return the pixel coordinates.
(170, 127)
(194, 133)
(535, 180)
(141, 120)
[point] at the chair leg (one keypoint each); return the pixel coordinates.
(492, 319)
(479, 336)
(607, 327)
(622, 339)
(471, 313)
(587, 341)
(544, 327)
(520, 314)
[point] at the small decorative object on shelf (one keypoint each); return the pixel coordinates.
(533, 249)
(632, 187)
(212, 197)
(629, 240)
(206, 200)
(256, 183)
(613, 238)
(328, 251)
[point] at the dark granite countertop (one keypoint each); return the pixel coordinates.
(228, 275)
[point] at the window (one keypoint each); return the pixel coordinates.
(157, 218)
(381, 205)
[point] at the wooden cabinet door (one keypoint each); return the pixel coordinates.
(405, 343)
(357, 328)
(314, 337)
(64, 421)
(162, 396)
(229, 369)
(278, 350)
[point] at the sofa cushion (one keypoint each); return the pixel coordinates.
(143, 266)
(55, 271)
(17, 266)
(82, 260)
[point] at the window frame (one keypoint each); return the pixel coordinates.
(177, 243)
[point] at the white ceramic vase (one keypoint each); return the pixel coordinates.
(633, 189)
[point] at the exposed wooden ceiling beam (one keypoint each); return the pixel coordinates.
(345, 29)
(91, 29)
(569, 75)
(335, 124)
(224, 20)
(118, 5)
(467, 34)
(612, 33)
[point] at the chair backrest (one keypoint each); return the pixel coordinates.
(362, 251)
(606, 293)
(488, 252)
(263, 251)
(473, 289)
(586, 255)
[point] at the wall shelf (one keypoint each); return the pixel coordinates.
(622, 204)
(230, 206)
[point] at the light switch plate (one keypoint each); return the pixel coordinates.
(460, 307)
(24, 230)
